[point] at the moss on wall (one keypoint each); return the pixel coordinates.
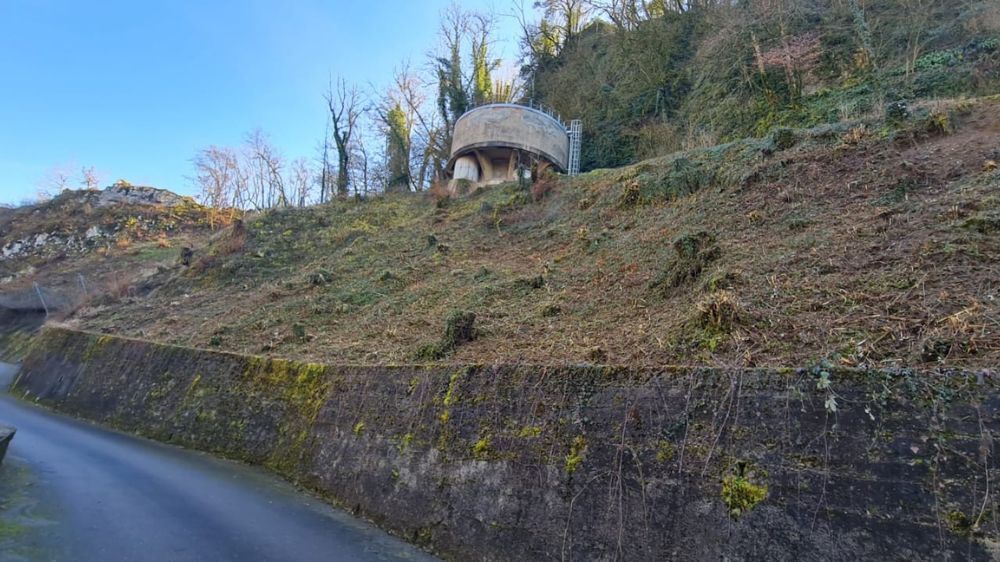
(577, 462)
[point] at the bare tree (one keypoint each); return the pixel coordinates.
(367, 170)
(567, 17)
(628, 14)
(265, 164)
(345, 110)
(411, 128)
(327, 173)
(300, 181)
(216, 174)
(54, 182)
(89, 178)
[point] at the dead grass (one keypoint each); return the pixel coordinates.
(857, 252)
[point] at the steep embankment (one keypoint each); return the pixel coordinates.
(578, 463)
(868, 243)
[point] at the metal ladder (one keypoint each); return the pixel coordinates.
(575, 141)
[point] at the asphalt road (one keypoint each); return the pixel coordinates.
(74, 491)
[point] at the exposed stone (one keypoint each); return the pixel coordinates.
(139, 195)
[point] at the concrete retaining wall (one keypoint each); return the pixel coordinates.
(17, 328)
(577, 463)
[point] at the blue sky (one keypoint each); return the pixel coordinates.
(135, 88)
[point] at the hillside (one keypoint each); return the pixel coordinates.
(87, 243)
(649, 78)
(864, 243)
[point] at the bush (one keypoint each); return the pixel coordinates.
(693, 252)
(783, 138)
(459, 328)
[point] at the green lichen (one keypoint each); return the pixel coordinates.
(449, 396)
(529, 431)
(664, 451)
(959, 523)
(740, 495)
(576, 452)
(95, 347)
(405, 442)
(359, 428)
(481, 449)
(10, 531)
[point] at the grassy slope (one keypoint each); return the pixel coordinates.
(860, 245)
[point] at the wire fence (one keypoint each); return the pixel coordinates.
(49, 300)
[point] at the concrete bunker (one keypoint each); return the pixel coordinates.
(500, 142)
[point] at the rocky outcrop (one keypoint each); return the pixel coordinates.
(518, 462)
(127, 194)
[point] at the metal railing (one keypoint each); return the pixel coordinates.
(530, 104)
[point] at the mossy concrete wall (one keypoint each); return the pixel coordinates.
(577, 463)
(17, 328)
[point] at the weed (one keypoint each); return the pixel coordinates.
(740, 495)
(550, 310)
(664, 451)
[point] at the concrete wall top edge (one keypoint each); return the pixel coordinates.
(512, 126)
(511, 105)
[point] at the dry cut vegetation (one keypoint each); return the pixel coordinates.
(864, 243)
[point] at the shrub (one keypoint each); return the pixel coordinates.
(439, 193)
(692, 253)
(233, 241)
(897, 112)
(459, 328)
(541, 189)
(783, 138)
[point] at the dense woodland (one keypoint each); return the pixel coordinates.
(646, 78)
